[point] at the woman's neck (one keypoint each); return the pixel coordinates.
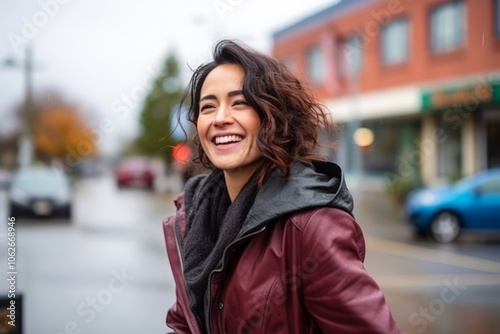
(236, 179)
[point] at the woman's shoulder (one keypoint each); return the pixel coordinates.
(326, 215)
(331, 225)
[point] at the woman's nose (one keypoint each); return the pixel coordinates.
(223, 116)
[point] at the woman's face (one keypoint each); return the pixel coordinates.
(227, 125)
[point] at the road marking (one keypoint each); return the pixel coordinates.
(431, 255)
(402, 281)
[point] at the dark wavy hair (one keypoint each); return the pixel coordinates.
(290, 116)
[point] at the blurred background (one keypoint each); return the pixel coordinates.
(92, 154)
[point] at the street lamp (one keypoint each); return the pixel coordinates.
(25, 150)
(363, 137)
(353, 57)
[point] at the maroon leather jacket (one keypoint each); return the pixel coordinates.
(301, 272)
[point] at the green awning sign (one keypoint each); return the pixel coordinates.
(455, 96)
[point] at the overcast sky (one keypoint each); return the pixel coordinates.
(98, 52)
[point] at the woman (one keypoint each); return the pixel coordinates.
(266, 243)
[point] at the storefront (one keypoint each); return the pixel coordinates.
(393, 118)
(467, 118)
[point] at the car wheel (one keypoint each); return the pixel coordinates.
(445, 227)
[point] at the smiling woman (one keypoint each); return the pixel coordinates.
(228, 126)
(266, 242)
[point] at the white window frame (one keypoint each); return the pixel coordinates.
(448, 26)
(352, 55)
(316, 65)
(388, 42)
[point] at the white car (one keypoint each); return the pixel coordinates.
(40, 191)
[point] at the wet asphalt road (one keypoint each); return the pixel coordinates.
(106, 271)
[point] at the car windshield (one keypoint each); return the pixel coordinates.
(474, 181)
(467, 182)
(40, 179)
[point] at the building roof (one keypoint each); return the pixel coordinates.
(339, 8)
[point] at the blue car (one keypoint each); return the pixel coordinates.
(472, 204)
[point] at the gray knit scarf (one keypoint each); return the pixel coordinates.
(213, 222)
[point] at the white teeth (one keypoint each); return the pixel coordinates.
(227, 139)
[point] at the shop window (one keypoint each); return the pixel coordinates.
(382, 155)
(449, 151)
(394, 41)
(394, 148)
(492, 140)
(448, 26)
(315, 66)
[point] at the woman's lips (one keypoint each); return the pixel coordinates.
(226, 139)
(226, 146)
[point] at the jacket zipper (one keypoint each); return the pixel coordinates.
(209, 311)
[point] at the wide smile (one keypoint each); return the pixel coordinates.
(224, 140)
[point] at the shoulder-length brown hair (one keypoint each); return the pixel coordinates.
(290, 116)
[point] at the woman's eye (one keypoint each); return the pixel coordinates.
(241, 102)
(206, 107)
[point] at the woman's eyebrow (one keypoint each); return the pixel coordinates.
(235, 93)
(230, 94)
(208, 97)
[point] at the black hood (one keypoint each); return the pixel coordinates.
(317, 184)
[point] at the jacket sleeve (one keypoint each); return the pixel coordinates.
(179, 317)
(339, 294)
(176, 319)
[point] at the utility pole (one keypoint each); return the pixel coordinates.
(26, 143)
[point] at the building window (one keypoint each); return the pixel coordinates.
(497, 17)
(395, 42)
(315, 65)
(448, 26)
(349, 59)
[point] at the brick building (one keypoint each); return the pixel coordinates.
(423, 76)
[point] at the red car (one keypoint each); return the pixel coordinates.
(135, 172)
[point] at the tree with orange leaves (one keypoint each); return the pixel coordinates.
(59, 131)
